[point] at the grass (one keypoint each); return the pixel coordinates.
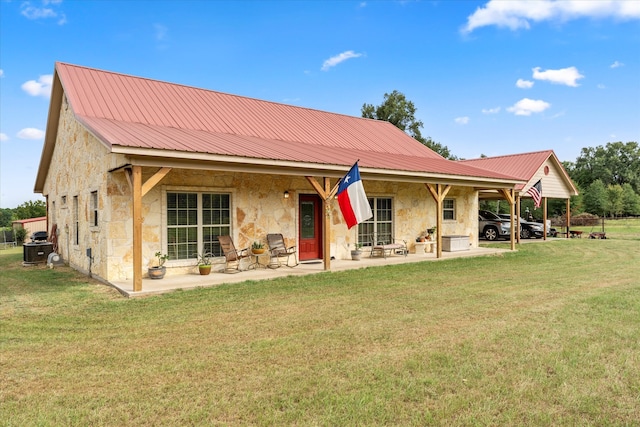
(545, 336)
(627, 228)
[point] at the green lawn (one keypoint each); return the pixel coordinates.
(549, 335)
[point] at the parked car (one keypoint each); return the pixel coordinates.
(492, 227)
(528, 229)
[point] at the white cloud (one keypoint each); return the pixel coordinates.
(160, 32)
(462, 120)
(44, 11)
(42, 87)
(1, 73)
(524, 84)
(491, 110)
(565, 76)
(30, 133)
(4, 137)
(617, 64)
(335, 60)
(517, 14)
(526, 107)
(601, 86)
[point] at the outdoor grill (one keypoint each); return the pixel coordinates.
(39, 236)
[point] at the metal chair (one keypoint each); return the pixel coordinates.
(278, 250)
(232, 255)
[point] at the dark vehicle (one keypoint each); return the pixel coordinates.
(528, 229)
(492, 227)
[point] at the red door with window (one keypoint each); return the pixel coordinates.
(310, 227)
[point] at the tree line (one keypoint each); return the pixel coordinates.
(607, 177)
(30, 209)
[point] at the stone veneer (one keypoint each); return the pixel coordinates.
(81, 164)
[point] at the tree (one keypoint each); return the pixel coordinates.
(397, 110)
(630, 200)
(614, 200)
(30, 209)
(6, 216)
(616, 163)
(595, 198)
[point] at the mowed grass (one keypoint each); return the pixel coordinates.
(549, 335)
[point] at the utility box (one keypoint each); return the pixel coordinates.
(34, 253)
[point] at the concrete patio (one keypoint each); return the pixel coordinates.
(195, 280)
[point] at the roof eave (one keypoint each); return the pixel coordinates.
(189, 160)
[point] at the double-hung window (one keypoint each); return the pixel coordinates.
(449, 209)
(381, 224)
(194, 222)
(94, 208)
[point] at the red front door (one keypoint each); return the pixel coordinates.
(310, 227)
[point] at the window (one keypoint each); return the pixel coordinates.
(194, 222)
(94, 208)
(63, 200)
(449, 209)
(380, 224)
(76, 219)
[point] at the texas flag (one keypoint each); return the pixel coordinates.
(352, 198)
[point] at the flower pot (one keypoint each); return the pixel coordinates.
(204, 269)
(157, 272)
(258, 251)
(355, 255)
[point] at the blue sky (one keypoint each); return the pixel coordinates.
(486, 77)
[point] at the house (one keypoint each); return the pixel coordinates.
(132, 166)
(531, 168)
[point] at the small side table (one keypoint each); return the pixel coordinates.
(256, 263)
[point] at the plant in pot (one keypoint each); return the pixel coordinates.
(158, 271)
(356, 252)
(430, 232)
(257, 248)
(204, 263)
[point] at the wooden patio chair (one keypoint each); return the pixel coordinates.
(384, 245)
(232, 255)
(278, 250)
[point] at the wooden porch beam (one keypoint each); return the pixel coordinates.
(155, 179)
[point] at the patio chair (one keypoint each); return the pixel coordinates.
(278, 250)
(232, 256)
(384, 245)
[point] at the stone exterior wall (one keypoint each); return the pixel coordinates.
(81, 164)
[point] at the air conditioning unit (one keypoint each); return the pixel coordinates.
(34, 253)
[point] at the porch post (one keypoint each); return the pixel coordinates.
(137, 227)
(544, 218)
(518, 218)
(438, 193)
(568, 215)
(510, 195)
(326, 193)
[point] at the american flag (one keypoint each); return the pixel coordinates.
(536, 193)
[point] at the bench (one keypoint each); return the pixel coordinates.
(384, 245)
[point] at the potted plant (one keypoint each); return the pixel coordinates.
(204, 263)
(257, 248)
(158, 271)
(356, 252)
(431, 231)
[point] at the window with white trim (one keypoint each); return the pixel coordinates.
(194, 222)
(381, 224)
(449, 209)
(76, 221)
(94, 208)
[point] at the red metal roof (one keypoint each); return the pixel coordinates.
(133, 112)
(521, 166)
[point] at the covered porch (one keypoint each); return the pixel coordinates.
(195, 280)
